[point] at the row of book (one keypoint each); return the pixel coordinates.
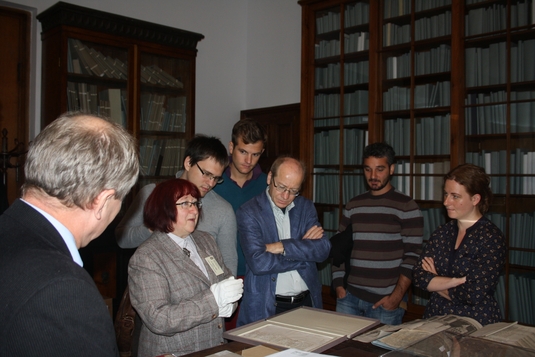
(155, 75)
(494, 17)
(354, 15)
(433, 26)
(328, 22)
(353, 42)
(522, 258)
(394, 34)
(329, 77)
(522, 162)
(425, 187)
(522, 231)
(357, 14)
(437, 128)
(395, 8)
(161, 157)
(485, 119)
(86, 98)
(486, 19)
(433, 218)
(356, 42)
(327, 146)
(82, 59)
(492, 119)
(327, 48)
(327, 105)
(428, 188)
(397, 133)
(327, 185)
(427, 95)
(163, 113)
(435, 60)
(522, 53)
(488, 65)
(521, 293)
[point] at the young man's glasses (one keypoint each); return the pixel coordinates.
(217, 179)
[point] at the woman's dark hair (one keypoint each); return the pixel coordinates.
(475, 180)
(159, 212)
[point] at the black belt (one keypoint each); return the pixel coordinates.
(292, 299)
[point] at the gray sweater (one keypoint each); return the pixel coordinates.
(217, 218)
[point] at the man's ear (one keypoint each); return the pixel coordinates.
(269, 175)
(230, 147)
(101, 200)
(187, 163)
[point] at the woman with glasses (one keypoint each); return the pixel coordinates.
(179, 285)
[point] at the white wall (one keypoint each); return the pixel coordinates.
(249, 58)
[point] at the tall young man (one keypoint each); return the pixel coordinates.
(243, 178)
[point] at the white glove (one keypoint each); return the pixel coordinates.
(228, 310)
(227, 291)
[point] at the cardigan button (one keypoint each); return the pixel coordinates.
(273, 279)
(219, 326)
(214, 316)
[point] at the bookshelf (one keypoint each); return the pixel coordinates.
(446, 82)
(142, 76)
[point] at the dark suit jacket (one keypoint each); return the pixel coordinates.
(49, 305)
(257, 227)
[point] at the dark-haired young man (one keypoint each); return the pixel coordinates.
(387, 231)
(205, 159)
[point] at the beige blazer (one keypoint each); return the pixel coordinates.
(172, 296)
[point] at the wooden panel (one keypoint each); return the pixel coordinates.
(14, 91)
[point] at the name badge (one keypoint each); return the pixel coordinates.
(216, 268)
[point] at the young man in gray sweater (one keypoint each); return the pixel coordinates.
(205, 159)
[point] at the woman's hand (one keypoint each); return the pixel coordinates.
(428, 264)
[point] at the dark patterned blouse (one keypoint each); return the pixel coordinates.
(480, 257)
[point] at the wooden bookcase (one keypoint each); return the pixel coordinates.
(141, 75)
(445, 82)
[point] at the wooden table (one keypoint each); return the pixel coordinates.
(347, 348)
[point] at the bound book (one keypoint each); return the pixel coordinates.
(425, 332)
(304, 328)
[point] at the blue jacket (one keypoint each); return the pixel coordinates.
(257, 227)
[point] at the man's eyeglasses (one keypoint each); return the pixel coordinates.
(188, 205)
(282, 189)
(217, 179)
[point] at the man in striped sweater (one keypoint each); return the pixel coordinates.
(387, 230)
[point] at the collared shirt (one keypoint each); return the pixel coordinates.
(257, 171)
(289, 283)
(189, 244)
(63, 232)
